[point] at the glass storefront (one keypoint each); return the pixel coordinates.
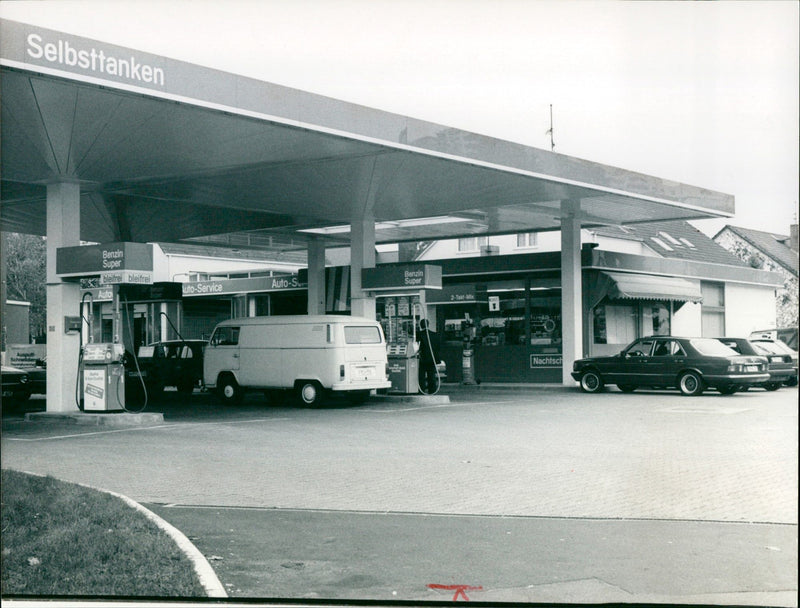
(513, 327)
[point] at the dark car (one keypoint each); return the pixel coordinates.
(780, 367)
(690, 364)
(787, 335)
(37, 377)
(177, 363)
(16, 388)
(779, 347)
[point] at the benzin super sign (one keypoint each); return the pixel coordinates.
(113, 259)
(413, 277)
(62, 52)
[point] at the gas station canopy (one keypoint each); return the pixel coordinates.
(168, 151)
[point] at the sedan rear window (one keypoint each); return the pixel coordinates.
(366, 334)
(767, 348)
(712, 348)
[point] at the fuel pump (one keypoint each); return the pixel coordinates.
(103, 377)
(399, 291)
(102, 369)
(468, 336)
(399, 324)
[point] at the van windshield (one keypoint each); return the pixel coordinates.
(367, 334)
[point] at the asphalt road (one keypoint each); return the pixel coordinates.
(534, 495)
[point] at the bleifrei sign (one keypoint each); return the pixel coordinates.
(114, 263)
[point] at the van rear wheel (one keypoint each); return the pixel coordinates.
(309, 392)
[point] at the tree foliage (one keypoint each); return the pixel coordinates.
(26, 276)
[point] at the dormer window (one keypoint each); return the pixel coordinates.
(661, 243)
(669, 237)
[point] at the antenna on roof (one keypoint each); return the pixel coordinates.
(550, 130)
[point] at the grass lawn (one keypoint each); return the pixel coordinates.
(59, 539)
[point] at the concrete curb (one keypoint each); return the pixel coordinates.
(115, 419)
(208, 578)
(421, 399)
(507, 386)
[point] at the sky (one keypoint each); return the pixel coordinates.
(703, 93)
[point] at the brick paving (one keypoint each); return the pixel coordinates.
(529, 452)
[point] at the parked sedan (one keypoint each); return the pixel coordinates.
(15, 385)
(690, 364)
(780, 365)
(779, 347)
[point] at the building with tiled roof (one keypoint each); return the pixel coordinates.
(773, 252)
(675, 239)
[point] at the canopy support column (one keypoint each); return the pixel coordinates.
(63, 298)
(316, 277)
(571, 288)
(362, 255)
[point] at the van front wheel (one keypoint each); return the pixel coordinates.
(229, 391)
(309, 392)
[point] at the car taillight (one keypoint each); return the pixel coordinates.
(341, 372)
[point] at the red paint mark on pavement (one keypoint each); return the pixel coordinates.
(459, 590)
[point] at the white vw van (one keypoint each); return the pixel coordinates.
(307, 354)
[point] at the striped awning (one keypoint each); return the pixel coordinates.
(634, 286)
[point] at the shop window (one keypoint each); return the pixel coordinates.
(239, 307)
(527, 240)
(545, 323)
(655, 320)
(503, 321)
(615, 323)
(623, 323)
(471, 244)
(454, 322)
(262, 304)
(503, 318)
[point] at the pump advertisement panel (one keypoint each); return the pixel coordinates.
(94, 388)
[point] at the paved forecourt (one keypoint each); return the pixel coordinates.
(529, 452)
